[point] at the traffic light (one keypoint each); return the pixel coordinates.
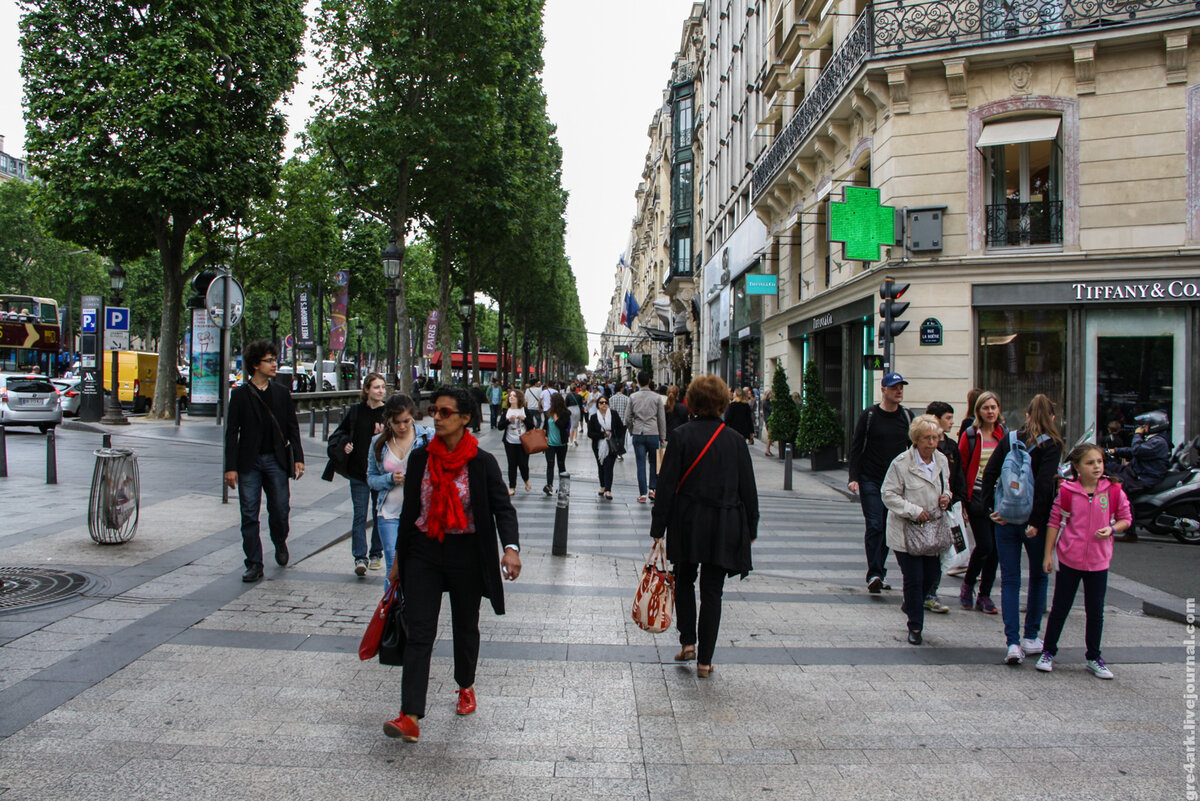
(200, 282)
(889, 311)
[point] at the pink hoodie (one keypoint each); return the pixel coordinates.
(1078, 516)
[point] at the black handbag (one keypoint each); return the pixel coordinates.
(395, 634)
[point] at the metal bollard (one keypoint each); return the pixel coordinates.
(3, 454)
(178, 412)
(106, 441)
(51, 458)
(325, 425)
(562, 513)
(312, 422)
(787, 466)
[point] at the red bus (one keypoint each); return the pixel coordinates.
(30, 334)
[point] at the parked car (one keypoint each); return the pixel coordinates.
(29, 400)
(69, 395)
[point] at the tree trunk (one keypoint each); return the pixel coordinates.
(472, 329)
(170, 248)
(448, 322)
(403, 346)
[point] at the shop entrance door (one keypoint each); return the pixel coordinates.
(1136, 363)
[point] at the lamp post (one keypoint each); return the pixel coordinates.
(505, 333)
(524, 361)
(273, 313)
(359, 329)
(465, 306)
(391, 271)
(113, 415)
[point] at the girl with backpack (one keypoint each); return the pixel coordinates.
(1087, 513)
(976, 446)
(1030, 476)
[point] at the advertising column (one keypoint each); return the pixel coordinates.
(205, 365)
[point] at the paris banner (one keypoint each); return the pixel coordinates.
(303, 320)
(337, 312)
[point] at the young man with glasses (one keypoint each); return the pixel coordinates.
(262, 450)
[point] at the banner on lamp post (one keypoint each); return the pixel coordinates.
(303, 319)
(431, 335)
(337, 312)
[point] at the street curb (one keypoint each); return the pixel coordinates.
(1175, 612)
(76, 425)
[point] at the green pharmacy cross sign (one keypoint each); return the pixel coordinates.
(861, 223)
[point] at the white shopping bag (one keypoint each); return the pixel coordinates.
(962, 539)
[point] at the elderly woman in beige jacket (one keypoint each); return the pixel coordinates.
(917, 488)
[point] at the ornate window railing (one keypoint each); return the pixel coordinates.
(835, 77)
(1015, 224)
(908, 26)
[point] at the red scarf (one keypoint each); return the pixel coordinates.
(445, 507)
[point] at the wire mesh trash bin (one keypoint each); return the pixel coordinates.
(116, 497)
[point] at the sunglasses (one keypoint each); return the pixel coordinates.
(601, 403)
(442, 412)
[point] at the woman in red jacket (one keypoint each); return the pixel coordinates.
(976, 445)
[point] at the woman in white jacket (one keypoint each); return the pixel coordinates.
(916, 488)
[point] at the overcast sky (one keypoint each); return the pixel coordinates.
(607, 64)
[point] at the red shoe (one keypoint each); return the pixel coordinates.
(466, 701)
(403, 727)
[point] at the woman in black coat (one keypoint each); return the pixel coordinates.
(456, 506)
(707, 507)
(606, 429)
(740, 417)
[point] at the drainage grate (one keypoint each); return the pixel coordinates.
(23, 587)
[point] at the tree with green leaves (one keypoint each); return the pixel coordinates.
(785, 417)
(150, 123)
(819, 424)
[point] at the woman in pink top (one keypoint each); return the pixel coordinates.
(1086, 514)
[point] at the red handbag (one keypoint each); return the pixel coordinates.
(654, 602)
(370, 641)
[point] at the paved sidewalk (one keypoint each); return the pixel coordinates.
(169, 678)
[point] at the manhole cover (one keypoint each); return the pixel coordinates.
(22, 587)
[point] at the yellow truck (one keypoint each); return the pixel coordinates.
(137, 374)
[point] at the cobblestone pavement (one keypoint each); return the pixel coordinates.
(169, 678)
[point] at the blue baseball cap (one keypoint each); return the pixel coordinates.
(892, 379)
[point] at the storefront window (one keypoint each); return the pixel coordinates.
(1133, 375)
(1023, 353)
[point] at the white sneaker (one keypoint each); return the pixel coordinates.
(1031, 647)
(1015, 655)
(1099, 669)
(1045, 663)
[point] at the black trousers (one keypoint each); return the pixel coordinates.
(984, 559)
(606, 469)
(921, 575)
(558, 452)
(435, 569)
(712, 586)
(1066, 584)
(518, 459)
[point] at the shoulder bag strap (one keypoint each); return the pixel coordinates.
(698, 458)
(270, 414)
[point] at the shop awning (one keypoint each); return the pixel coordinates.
(1015, 132)
(487, 361)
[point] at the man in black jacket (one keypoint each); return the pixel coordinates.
(880, 436)
(262, 450)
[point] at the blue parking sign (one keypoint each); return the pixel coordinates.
(87, 323)
(116, 318)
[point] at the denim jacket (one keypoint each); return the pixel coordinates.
(380, 480)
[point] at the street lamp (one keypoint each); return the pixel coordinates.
(273, 313)
(113, 415)
(465, 307)
(392, 262)
(359, 329)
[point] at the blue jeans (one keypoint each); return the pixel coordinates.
(1010, 539)
(363, 498)
(388, 528)
(266, 476)
(874, 512)
(645, 446)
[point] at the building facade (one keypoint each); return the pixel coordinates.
(1043, 162)
(12, 167)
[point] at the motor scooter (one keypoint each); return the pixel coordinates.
(1172, 506)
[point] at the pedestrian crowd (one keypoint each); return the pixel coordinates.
(443, 519)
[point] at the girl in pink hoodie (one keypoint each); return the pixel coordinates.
(1087, 513)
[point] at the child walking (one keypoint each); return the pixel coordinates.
(1086, 514)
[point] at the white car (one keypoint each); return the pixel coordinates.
(69, 395)
(29, 400)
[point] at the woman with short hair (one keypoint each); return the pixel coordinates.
(455, 508)
(916, 488)
(707, 508)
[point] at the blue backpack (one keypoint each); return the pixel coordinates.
(1014, 488)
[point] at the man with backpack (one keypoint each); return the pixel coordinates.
(879, 437)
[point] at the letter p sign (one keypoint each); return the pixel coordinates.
(116, 318)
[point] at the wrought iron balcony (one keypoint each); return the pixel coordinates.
(908, 26)
(1015, 224)
(855, 49)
